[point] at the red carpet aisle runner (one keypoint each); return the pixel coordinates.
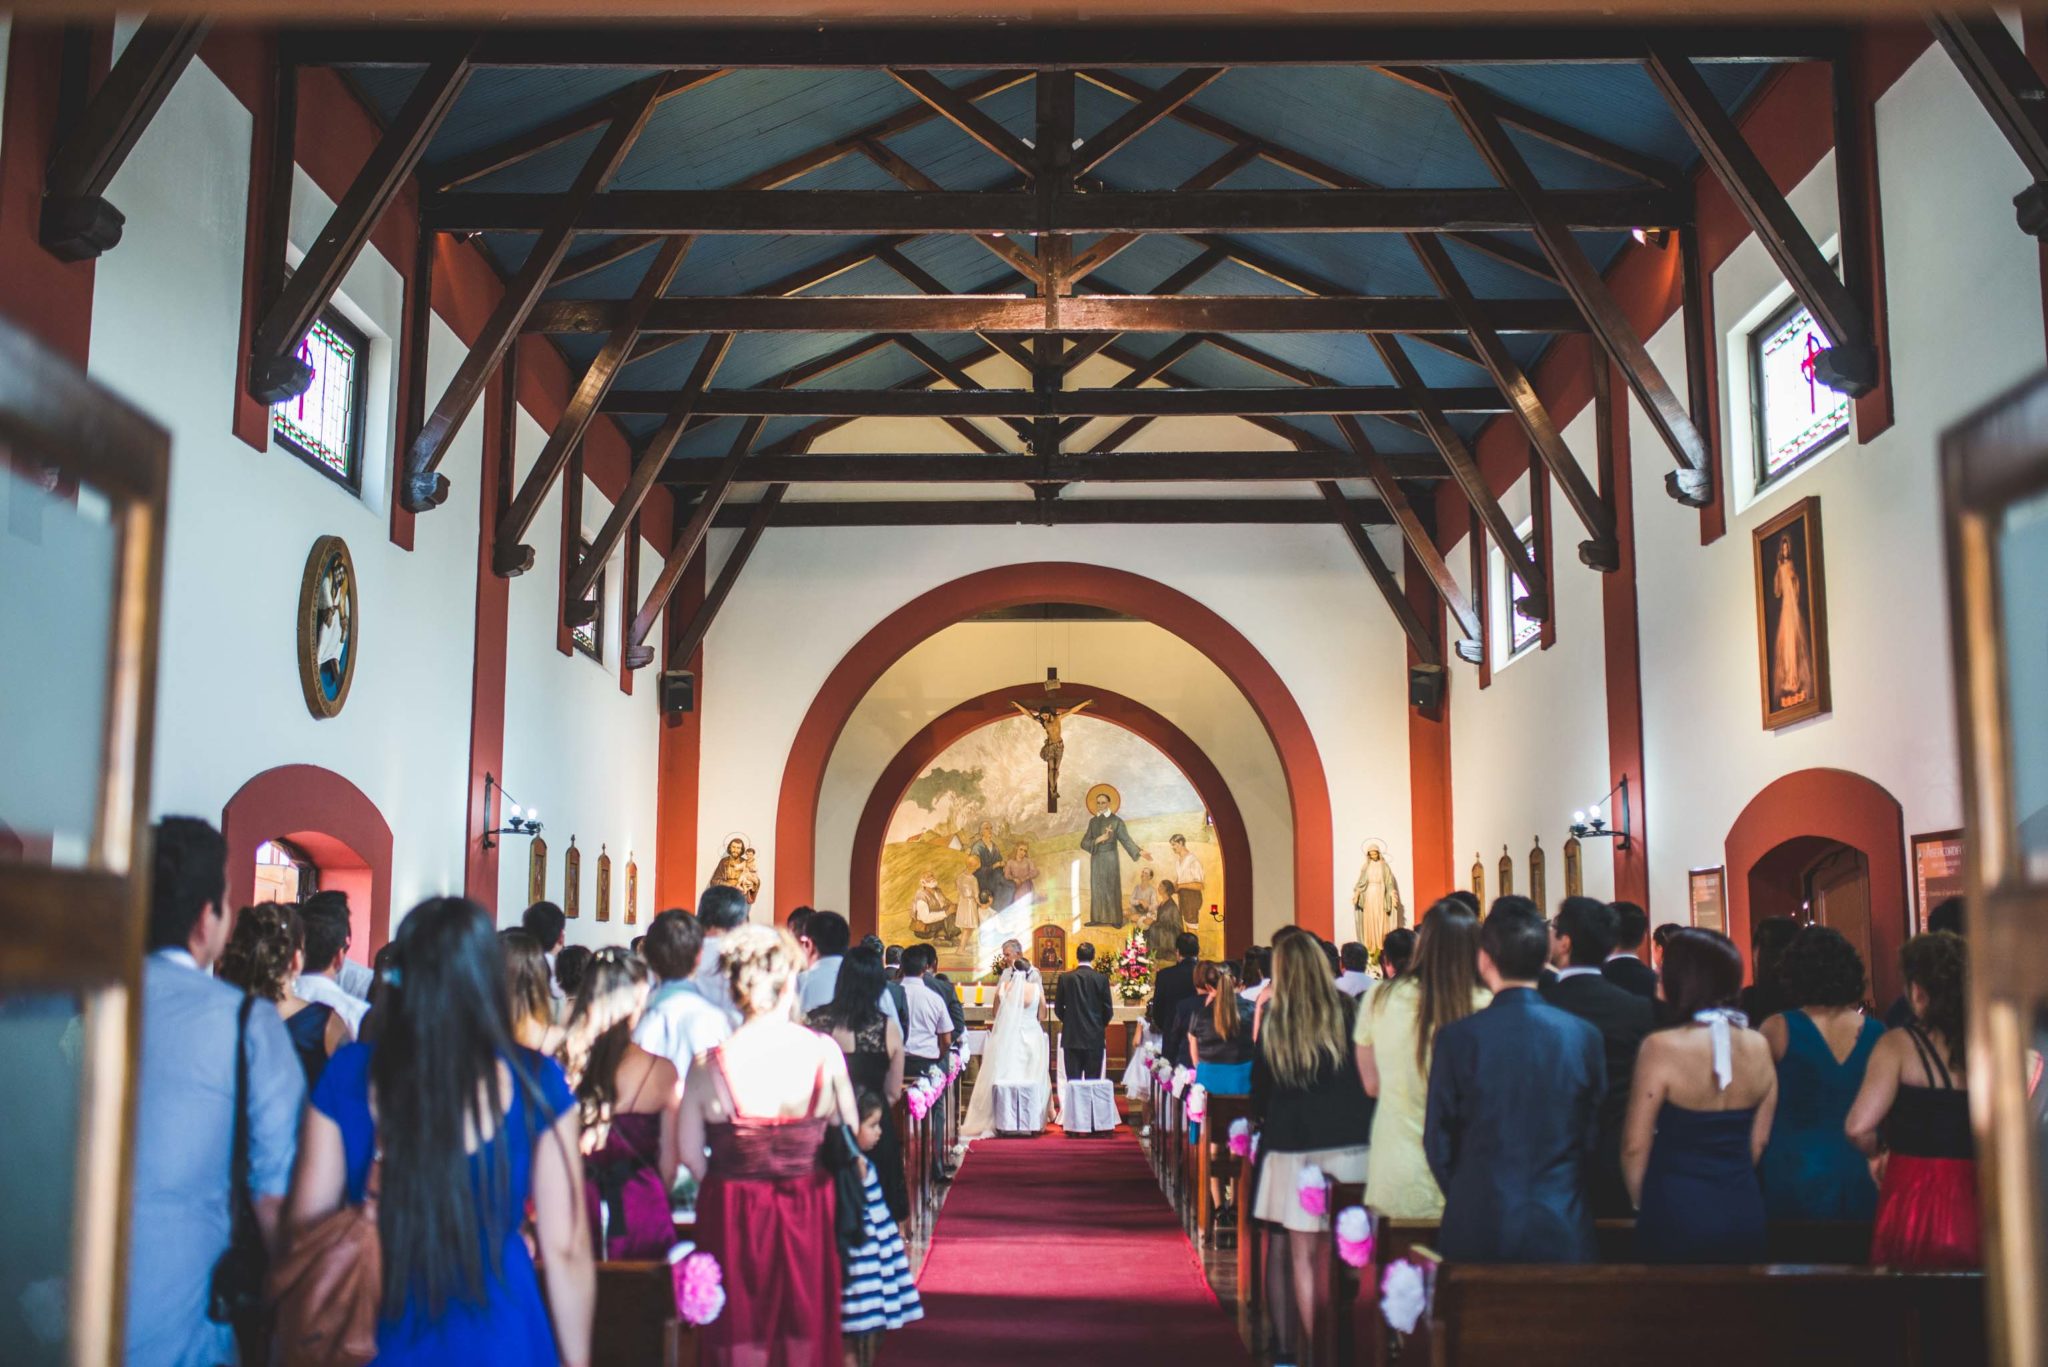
(1062, 1251)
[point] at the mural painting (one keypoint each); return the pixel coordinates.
(973, 857)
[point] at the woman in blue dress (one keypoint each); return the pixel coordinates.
(468, 1127)
(1699, 1114)
(1822, 1042)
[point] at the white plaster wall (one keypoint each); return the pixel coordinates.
(1531, 748)
(1136, 659)
(1297, 593)
(166, 322)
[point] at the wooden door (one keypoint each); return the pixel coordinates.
(1838, 896)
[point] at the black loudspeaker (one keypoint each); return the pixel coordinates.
(1425, 685)
(678, 691)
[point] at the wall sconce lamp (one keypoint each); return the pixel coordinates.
(517, 822)
(1651, 237)
(1590, 825)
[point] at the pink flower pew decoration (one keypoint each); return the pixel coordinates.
(1198, 1103)
(1182, 1076)
(1312, 1189)
(700, 1284)
(1354, 1236)
(1404, 1295)
(1241, 1138)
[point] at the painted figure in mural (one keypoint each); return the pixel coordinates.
(330, 651)
(1792, 648)
(731, 869)
(1376, 897)
(1187, 881)
(931, 915)
(1168, 922)
(967, 889)
(1144, 896)
(1022, 871)
(1106, 834)
(1054, 749)
(988, 870)
(750, 877)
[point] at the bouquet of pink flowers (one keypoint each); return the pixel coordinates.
(1354, 1236)
(1130, 969)
(700, 1284)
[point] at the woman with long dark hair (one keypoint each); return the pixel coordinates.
(628, 1100)
(753, 1125)
(1913, 1118)
(528, 989)
(462, 1126)
(873, 1046)
(1397, 1024)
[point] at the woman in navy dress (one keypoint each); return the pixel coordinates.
(1699, 1114)
(1822, 1041)
(469, 1127)
(264, 957)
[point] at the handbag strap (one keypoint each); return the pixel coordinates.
(238, 1162)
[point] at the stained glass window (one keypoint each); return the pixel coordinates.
(324, 425)
(589, 637)
(1523, 631)
(1796, 415)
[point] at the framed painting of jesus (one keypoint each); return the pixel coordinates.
(1791, 616)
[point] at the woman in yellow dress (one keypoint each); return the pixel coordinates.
(1396, 1026)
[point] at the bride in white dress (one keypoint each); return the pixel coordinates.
(1015, 1060)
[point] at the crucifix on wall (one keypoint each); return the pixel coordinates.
(1049, 717)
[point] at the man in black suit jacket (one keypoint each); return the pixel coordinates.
(1624, 966)
(1082, 1004)
(1582, 937)
(1514, 1110)
(1174, 984)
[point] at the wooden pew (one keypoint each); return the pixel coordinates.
(636, 1324)
(1211, 1157)
(1762, 1316)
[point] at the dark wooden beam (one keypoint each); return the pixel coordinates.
(1850, 362)
(1471, 481)
(1691, 482)
(638, 653)
(957, 376)
(999, 245)
(849, 212)
(563, 128)
(423, 487)
(1544, 128)
(1419, 635)
(1143, 115)
(991, 313)
(77, 222)
(1119, 401)
(965, 115)
(1177, 283)
(1056, 46)
(1380, 470)
(607, 254)
(1106, 249)
(508, 556)
(761, 512)
(2012, 92)
(1137, 467)
(1600, 551)
(275, 371)
(1056, 512)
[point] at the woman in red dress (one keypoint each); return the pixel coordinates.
(1913, 1117)
(760, 1105)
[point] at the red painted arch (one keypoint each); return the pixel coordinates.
(1813, 807)
(930, 742)
(1058, 582)
(334, 823)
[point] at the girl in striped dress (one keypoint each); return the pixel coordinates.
(878, 1292)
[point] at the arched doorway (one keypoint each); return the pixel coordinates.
(322, 819)
(1108, 706)
(1828, 847)
(1060, 582)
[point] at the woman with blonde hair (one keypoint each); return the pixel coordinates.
(264, 957)
(527, 985)
(753, 1123)
(1312, 1113)
(628, 1100)
(1396, 1027)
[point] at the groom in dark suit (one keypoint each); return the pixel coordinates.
(1082, 1004)
(1514, 1110)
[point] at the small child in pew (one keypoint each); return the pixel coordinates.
(878, 1291)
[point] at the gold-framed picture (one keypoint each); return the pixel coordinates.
(1791, 615)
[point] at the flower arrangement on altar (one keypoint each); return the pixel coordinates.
(1130, 968)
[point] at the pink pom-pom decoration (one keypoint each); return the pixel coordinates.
(917, 1102)
(1354, 1236)
(1181, 1078)
(1404, 1295)
(700, 1284)
(1241, 1138)
(1198, 1103)
(1312, 1189)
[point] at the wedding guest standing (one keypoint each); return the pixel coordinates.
(1220, 1046)
(1913, 1102)
(1396, 1029)
(1765, 995)
(527, 987)
(753, 1125)
(1355, 959)
(1624, 967)
(1582, 936)
(1311, 1111)
(679, 1022)
(1700, 1114)
(879, 1294)
(1822, 1042)
(263, 957)
(1514, 1109)
(464, 1127)
(628, 1100)
(875, 1060)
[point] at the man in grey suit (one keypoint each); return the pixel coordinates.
(1082, 1004)
(1514, 1110)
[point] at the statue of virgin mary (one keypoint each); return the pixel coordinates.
(1376, 897)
